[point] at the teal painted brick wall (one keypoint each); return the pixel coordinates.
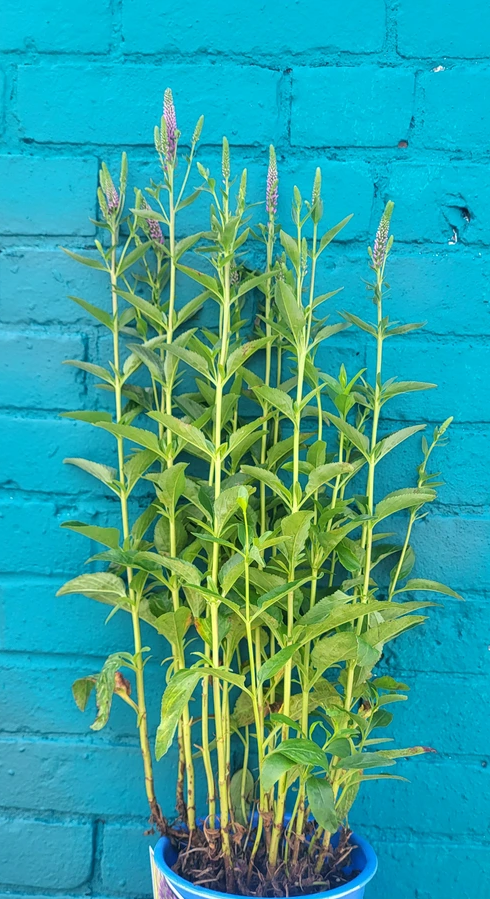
(391, 98)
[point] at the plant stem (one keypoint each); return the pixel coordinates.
(142, 723)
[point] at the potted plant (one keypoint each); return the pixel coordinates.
(260, 554)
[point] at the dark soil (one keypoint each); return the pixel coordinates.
(201, 862)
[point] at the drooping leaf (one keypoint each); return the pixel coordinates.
(430, 586)
(96, 585)
(106, 536)
(322, 803)
(82, 689)
(176, 696)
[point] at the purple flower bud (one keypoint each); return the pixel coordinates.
(271, 194)
(381, 240)
(112, 198)
(154, 230)
(171, 123)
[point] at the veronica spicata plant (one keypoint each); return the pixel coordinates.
(258, 555)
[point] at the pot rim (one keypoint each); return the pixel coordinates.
(361, 880)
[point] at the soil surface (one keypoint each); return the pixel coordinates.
(201, 862)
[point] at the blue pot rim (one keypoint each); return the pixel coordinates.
(342, 892)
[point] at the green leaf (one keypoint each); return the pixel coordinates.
(81, 689)
(296, 527)
(388, 630)
(104, 317)
(186, 244)
(205, 281)
(275, 595)
(251, 283)
(186, 432)
(359, 440)
(276, 398)
(322, 803)
(104, 691)
(87, 260)
(229, 573)
(85, 415)
(134, 256)
(276, 663)
(176, 696)
(400, 387)
(136, 465)
(191, 358)
(355, 320)
(385, 445)
(325, 473)
(102, 472)
(92, 369)
(96, 585)
(359, 761)
(430, 586)
(292, 314)
(225, 505)
(291, 247)
(106, 536)
(239, 356)
(149, 310)
(274, 767)
(403, 499)
(304, 752)
(329, 236)
(338, 648)
(171, 485)
(237, 805)
(174, 625)
(190, 308)
(270, 479)
(136, 435)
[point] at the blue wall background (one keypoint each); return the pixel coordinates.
(392, 99)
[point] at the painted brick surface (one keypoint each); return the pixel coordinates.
(65, 858)
(255, 29)
(391, 100)
(96, 99)
(327, 111)
(424, 31)
(48, 196)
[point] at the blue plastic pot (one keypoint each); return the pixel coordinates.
(363, 859)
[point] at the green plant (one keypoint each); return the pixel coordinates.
(257, 555)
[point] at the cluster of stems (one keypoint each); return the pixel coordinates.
(257, 555)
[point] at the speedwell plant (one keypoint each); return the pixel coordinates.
(260, 555)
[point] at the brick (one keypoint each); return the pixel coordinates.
(35, 284)
(32, 372)
(42, 702)
(422, 31)
(2, 102)
(436, 712)
(35, 620)
(347, 187)
(427, 804)
(448, 289)
(433, 200)
(47, 196)
(95, 101)
(462, 463)
(460, 370)
(124, 865)
(93, 778)
(327, 111)
(86, 28)
(455, 115)
(355, 28)
(426, 869)
(454, 551)
(55, 440)
(453, 640)
(36, 543)
(64, 860)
